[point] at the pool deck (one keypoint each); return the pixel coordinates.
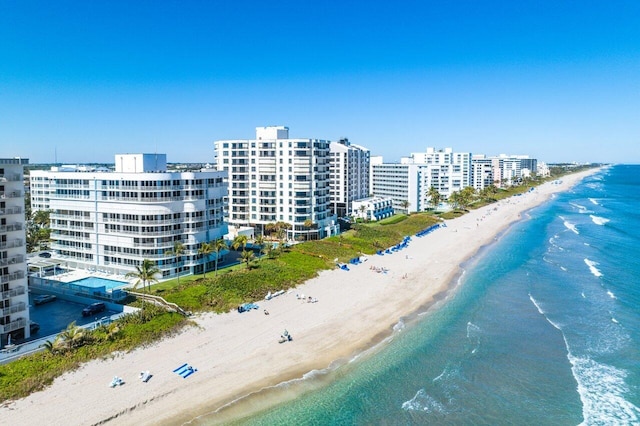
(78, 274)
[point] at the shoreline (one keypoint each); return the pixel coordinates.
(237, 355)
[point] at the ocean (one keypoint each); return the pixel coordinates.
(542, 328)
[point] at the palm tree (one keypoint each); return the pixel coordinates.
(455, 198)
(219, 245)
(205, 250)
(434, 197)
(178, 249)
(247, 257)
(405, 205)
(145, 273)
(72, 336)
(240, 241)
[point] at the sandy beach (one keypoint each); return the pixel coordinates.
(237, 354)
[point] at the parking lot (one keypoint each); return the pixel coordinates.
(55, 316)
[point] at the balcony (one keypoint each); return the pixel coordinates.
(11, 244)
(18, 307)
(11, 210)
(12, 260)
(10, 178)
(14, 325)
(11, 228)
(17, 291)
(12, 194)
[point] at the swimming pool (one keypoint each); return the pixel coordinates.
(97, 282)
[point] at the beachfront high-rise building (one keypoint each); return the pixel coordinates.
(274, 178)
(14, 297)
(112, 221)
(445, 170)
(501, 170)
(348, 175)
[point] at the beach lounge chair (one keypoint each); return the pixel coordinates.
(185, 370)
(145, 376)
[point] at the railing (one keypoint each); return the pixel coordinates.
(12, 244)
(11, 210)
(14, 325)
(10, 178)
(13, 194)
(16, 291)
(19, 307)
(10, 228)
(5, 278)
(12, 260)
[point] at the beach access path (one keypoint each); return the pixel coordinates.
(235, 354)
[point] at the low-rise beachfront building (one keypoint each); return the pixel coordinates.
(348, 175)
(372, 208)
(274, 178)
(112, 221)
(14, 297)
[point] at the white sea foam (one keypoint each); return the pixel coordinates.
(594, 201)
(611, 295)
(592, 267)
(581, 209)
(602, 391)
(601, 388)
(473, 335)
(598, 220)
(422, 401)
(570, 226)
(615, 321)
(563, 268)
(535, 303)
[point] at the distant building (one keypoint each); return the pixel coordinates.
(409, 181)
(501, 170)
(348, 175)
(274, 178)
(112, 221)
(14, 297)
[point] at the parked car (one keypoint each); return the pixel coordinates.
(45, 254)
(43, 298)
(93, 309)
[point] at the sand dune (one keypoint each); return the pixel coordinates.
(236, 354)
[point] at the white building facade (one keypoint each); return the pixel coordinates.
(348, 175)
(372, 208)
(402, 183)
(14, 297)
(112, 221)
(274, 178)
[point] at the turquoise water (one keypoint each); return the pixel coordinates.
(543, 329)
(97, 282)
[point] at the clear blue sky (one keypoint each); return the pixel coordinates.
(559, 80)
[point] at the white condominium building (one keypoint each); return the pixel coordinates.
(14, 297)
(277, 179)
(445, 170)
(501, 170)
(407, 183)
(402, 183)
(112, 221)
(348, 175)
